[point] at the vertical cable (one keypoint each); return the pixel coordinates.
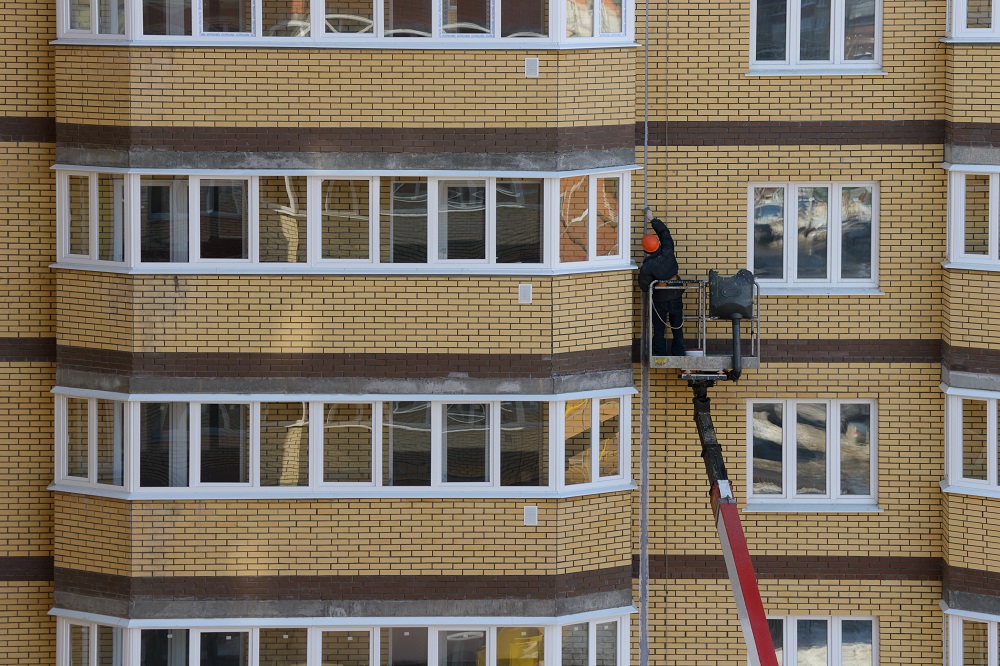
(644, 409)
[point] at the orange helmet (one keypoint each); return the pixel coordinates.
(650, 242)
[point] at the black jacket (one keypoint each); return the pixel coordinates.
(660, 265)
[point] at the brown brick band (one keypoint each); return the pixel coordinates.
(28, 130)
(24, 569)
(781, 133)
(342, 588)
(980, 135)
(346, 139)
(399, 366)
(835, 350)
(968, 359)
(27, 350)
(798, 567)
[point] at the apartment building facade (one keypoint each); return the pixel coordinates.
(321, 330)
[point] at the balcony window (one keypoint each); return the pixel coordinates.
(94, 212)
(92, 443)
(973, 20)
(973, 455)
(974, 218)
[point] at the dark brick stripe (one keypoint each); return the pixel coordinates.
(797, 567)
(33, 130)
(342, 588)
(347, 139)
(25, 569)
(833, 350)
(958, 579)
(969, 359)
(782, 133)
(22, 350)
(980, 135)
(400, 366)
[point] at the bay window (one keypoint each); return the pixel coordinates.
(816, 33)
(971, 639)
(973, 20)
(973, 457)
(93, 212)
(974, 217)
(91, 446)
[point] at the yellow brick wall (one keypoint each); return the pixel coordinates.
(973, 84)
(341, 537)
(335, 88)
(970, 531)
(342, 314)
(26, 58)
(704, 74)
(910, 462)
(29, 632)
(970, 314)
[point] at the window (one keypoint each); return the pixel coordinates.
(973, 20)
(318, 445)
(816, 33)
(814, 234)
(812, 451)
(974, 218)
(586, 18)
(971, 641)
(309, 222)
(89, 644)
(971, 441)
(98, 18)
(824, 641)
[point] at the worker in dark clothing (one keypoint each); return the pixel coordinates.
(660, 265)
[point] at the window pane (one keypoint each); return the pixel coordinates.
(814, 31)
(286, 18)
(225, 443)
(574, 219)
(226, 16)
(611, 16)
(163, 219)
(607, 644)
(112, 19)
(224, 219)
(282, 647)
(403, 213)
(579, 18)
(856, 233)
(578, 442)
(856, 643)
(79, 645)
(975, 644)
(772, 18)
(110, 218)
(466, 443)
(461, 220)
(283, 219)
(769, 232)
(350, 16)
(767, 449)
(810, 449)
(225, 648)
(520, 206)
(979, 14)
(345, 219)
(525, 18)
(859, 30)
(166, 17)
(79, 215)
(610, 454)
(520, 646)
(977, 215)
(777, 629)
(461, 648)
(608, 215)
(575, 644)
(473, 17)
(974, 439)
(110, 441)
(404, 646)
(524, 444)
(284, 444)
(406, 444)
(79, 14)
(813, 216)
(407, 18)
(163, 647)
(346, 648)
(347, 443)
(77, 421)
(163, 444)
(855, 449)
(812, 643)
(109, 646)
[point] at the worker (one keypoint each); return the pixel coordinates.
(660, 265)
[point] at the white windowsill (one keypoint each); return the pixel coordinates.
(378, 43)
(971, 266)
(807, 507)
(832, 70)
(994, 40)
(766, 290)
(992, 493)
(271, 493)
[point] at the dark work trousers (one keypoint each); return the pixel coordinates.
(671, 312)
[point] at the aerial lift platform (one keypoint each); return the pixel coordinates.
(722, 300)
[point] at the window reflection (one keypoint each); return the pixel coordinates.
(856, 233)
(578, 441)
(814, 30)
(813, 227)
(810, 448)
(225, 219)
(769, 232)
(767, 449)
(406, 443)
(407, 18)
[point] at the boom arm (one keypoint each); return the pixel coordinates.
(760, 649)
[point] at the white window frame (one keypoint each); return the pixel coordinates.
(954, 636)
(62, 442)
(120, 229)
(793, 13)
(316, 485)
(788, 454)
(121, 649)
(834, 636)
(834, 236)
(957, 179)
(954, 440)
(63, 9)
(958, 18)
(624, 196)
(198, 20)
